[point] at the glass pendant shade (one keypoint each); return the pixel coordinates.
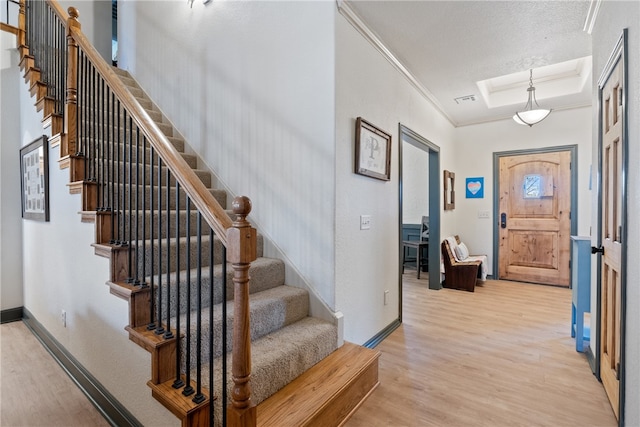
(530, 116)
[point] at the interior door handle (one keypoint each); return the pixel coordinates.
(599, 250)
(503, 220)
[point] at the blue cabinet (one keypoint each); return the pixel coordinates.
(580, 288)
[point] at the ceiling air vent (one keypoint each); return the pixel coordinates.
(465, 99)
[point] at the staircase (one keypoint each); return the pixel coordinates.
(167, 237)
(285, 341)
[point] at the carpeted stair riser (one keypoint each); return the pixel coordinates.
(289, 305)
(150, 232)
(266, 273)
(276, 360)
(86, 128)
(93, 103)
(160, 252)
(144, 193)
(144, 173)
(111, 115)
(115, 151)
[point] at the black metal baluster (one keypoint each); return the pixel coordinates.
(211, 347)
(152, 304)
(82, 107)
(100, 154)
(188, 390)
(136, 280)
(199, 397)
(90, 153)
(107, 186)
(159, 328)
(114, 165)
(224, 335)
(144, 205)
(130, 200)
(178, 383)
(168, 334)
(116, 208)
(123, 188)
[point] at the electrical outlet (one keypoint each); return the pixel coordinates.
(386, 297)
(63, 318)
(365, 222)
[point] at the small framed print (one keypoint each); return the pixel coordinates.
(373, 151)
(475, 188)
(34, 170)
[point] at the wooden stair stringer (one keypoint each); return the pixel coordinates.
(327, 394)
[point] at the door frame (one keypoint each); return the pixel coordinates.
(618, 54)
(573, 149)
(417, 140)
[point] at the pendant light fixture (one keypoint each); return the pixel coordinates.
(530, 116)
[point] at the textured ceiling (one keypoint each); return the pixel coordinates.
(450, 45)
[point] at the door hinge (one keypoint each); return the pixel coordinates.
(569, 264)
(569, 214)
(620, 96)
(619, 239)
(618, 371)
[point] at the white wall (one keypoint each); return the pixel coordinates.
(415, 184)
(367, 261)
(251, 87)
(475, 147)
(10, 143)
(612, 18)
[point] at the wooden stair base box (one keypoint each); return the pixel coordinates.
(162, 350)
(191, 414)
(327, 394)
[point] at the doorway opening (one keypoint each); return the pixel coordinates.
(419, 201)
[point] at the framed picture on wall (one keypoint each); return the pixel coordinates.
(373, 151)
(474, 188)
(34, 170)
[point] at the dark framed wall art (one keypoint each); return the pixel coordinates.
(34, 171)
(373, 151)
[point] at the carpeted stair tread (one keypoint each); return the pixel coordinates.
(142, 249)
(270, 310)
(278, 358)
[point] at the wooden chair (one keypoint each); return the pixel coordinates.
(458, 274)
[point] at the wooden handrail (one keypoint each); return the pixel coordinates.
(55, 6)
(201, 197)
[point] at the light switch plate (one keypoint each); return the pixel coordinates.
(483, 214)
(365, 222)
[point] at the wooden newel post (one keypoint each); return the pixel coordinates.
(22, 25)
(69, 137)
(241, 251)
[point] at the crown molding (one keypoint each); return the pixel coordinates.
(592, 14)
(345, 10)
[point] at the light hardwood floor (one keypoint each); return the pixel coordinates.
(34, 390)
(501, 356)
